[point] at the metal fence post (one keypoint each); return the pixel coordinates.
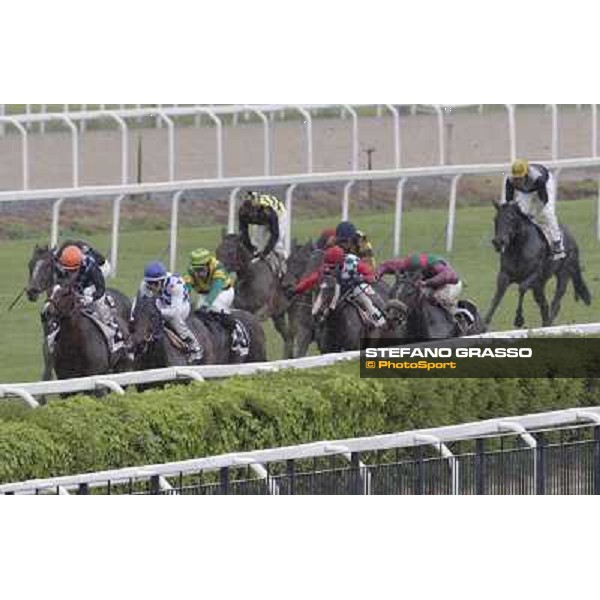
(114, 249)
(174, 229)
(398, 215)
(452, 214)
(540, 471)
(419, 470)
(224, 481)
(289, 204)
(231, 222)
(355, 136)
(55, 222)
(356, 486)
(154, 485)
(480, 467)
(512, 131)
(291, 475)
(346, 200)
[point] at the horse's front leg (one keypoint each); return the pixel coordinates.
(502, 283)
(281, 326)
(562, 280)
(532, 281)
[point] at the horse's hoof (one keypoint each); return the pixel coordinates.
(519, 322)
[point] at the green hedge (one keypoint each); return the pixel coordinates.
(83, 434)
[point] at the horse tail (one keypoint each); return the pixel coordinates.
(581, 289)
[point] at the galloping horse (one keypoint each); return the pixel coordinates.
(257, 288)
(340, 325)
(80, 348)
(423, 319)
(42, 279)
(303, 260)
(221, 336)
(526, 261)
(154, 347)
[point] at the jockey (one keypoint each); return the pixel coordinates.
(88, 279)
(211, 280)
(355, 242)
(533, 188)
(214, 285)
(263, 226)
(87, 250)
(173, 302)
(353, 275)
(439, 278)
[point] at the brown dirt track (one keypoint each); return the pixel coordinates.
(474, 138)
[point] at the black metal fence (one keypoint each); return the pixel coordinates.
(564, 461)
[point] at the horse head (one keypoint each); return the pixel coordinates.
(41, 272)
(63, 303)
(298, 263)
(145, 325)
(507, 225)
(406, 289)
(233, 254)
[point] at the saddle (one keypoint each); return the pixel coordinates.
(111, 334)
(240, 336)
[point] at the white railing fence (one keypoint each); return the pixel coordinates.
(290, 183)
(166, 116)
(116, 383)
(438, 438)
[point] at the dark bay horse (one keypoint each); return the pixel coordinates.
(526, 261)
(425, 320)
(154, 348)
(42, 279)
(221, 336)
(80, 348)
(303, 260)
(339, 326)
(257, 289)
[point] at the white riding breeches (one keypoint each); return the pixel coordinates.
(222, 303)
(543, 215)
(177, 321)
(448, 295)
(260, 235)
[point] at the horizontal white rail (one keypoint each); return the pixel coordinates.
(89, 192)
(162, 114)
(118, 381)
(288, 181)
(437, 437)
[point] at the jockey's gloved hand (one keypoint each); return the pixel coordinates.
(290, 293)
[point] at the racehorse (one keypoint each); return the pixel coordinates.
(525, 260)
(303, 260)
(340, 325)
(42, 279)
(221, 336)
(257, 289)
(155, 347)
(80, 347)
(423, 318)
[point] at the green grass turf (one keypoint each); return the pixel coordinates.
(473, 256)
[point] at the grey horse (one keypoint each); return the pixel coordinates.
(525, 260)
